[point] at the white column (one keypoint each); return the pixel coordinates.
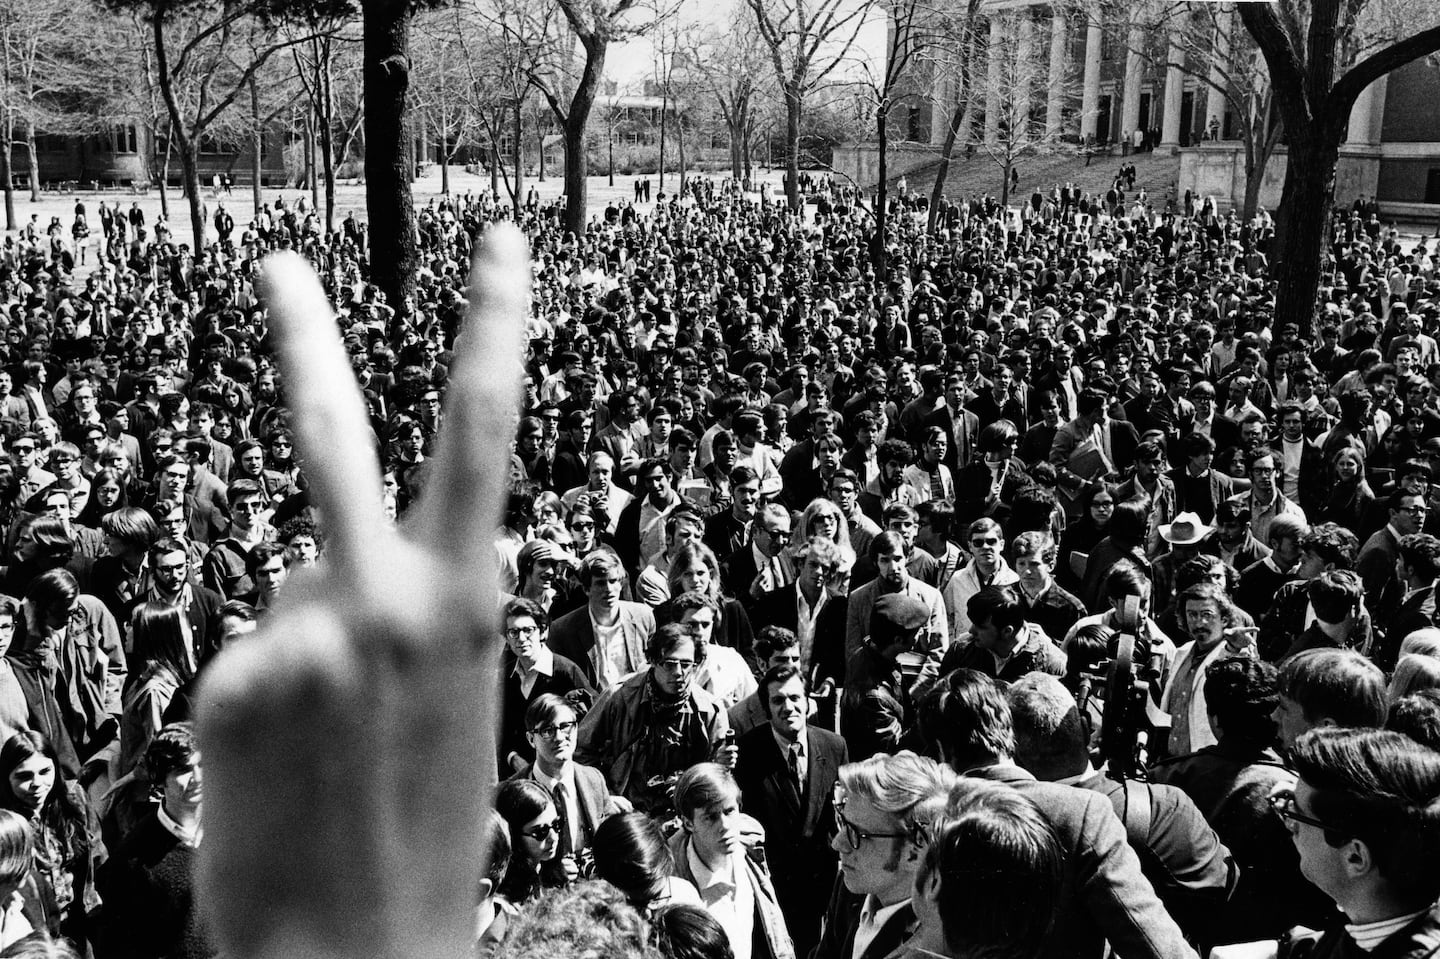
(1368, 114)
(995, 75)
(1025, 73)
(1055, 82)
(1174, 90)
(1214, 98)
(1134, 70)
(1090, 92)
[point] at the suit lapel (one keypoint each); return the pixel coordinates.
(816, 774)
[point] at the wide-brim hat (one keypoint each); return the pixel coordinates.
(1187, 529)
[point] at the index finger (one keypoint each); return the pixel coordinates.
(330, 423)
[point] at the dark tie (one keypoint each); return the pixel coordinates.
(562, 813)
(795, 768)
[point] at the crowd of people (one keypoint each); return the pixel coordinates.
(811, 579)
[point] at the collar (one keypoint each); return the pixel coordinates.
(873, 913)
(188, 838)
(1079, 778)
(544, 665)
(567, 776)
(785, 744)
(1369, 935)
(705, 877)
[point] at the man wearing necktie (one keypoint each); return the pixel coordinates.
(787, 773)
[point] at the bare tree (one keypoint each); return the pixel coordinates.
(205, 57)
(959, 37)
(730, 62)
(1012, 97)
(908, 38)
(1322, 55)
(443, 98)
(571, 94)
(806, 42)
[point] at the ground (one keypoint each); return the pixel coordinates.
(348, 196)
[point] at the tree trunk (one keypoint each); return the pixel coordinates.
(664, 104)
(576, 120)
(540, 142)
(327, 137)
(736, 139)
(882, 194)
(793, 106)
(576, 187)
(444, 165)
(257, 137)
(190, 170)
(165, 174)
(34, 167)
(518, 199)
(1308, 195)
(388, 164)
(942, 169)
(680, 148)
(7, 173)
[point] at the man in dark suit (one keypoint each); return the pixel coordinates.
(1105, 893)
(582, 800)
(787, 773)
(1192, 871)
(531, 670)
(1090, 447)
(822, 633)
(740, 573)
(729, 529)
(962, 428)
(1376, 564)
(1418, 566)
(869, 914)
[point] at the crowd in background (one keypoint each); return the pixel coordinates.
(811, 576)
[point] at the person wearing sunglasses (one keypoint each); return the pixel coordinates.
(535, 827)
(987, 567)
(647, 729)
(1362, 817)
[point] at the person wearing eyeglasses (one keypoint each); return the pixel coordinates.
(225, 565)
(651, 726)
(534, 823)
(531, 670)
(581, 797)
(987, 567)
(880, 839)
(1376, 562)
(1363, 819)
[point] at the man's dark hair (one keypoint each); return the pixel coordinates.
(779, 676)
(966, 716)
(173, 748)
(1340, 685)
(1241, 693)
(1381, 788)
(771, 639)
(1333, 543)
(999, 606)
(1421, 552)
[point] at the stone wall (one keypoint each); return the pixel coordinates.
(861, 161)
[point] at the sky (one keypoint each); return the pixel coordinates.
(633, 61)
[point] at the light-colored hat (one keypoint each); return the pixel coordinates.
(1187, 530)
